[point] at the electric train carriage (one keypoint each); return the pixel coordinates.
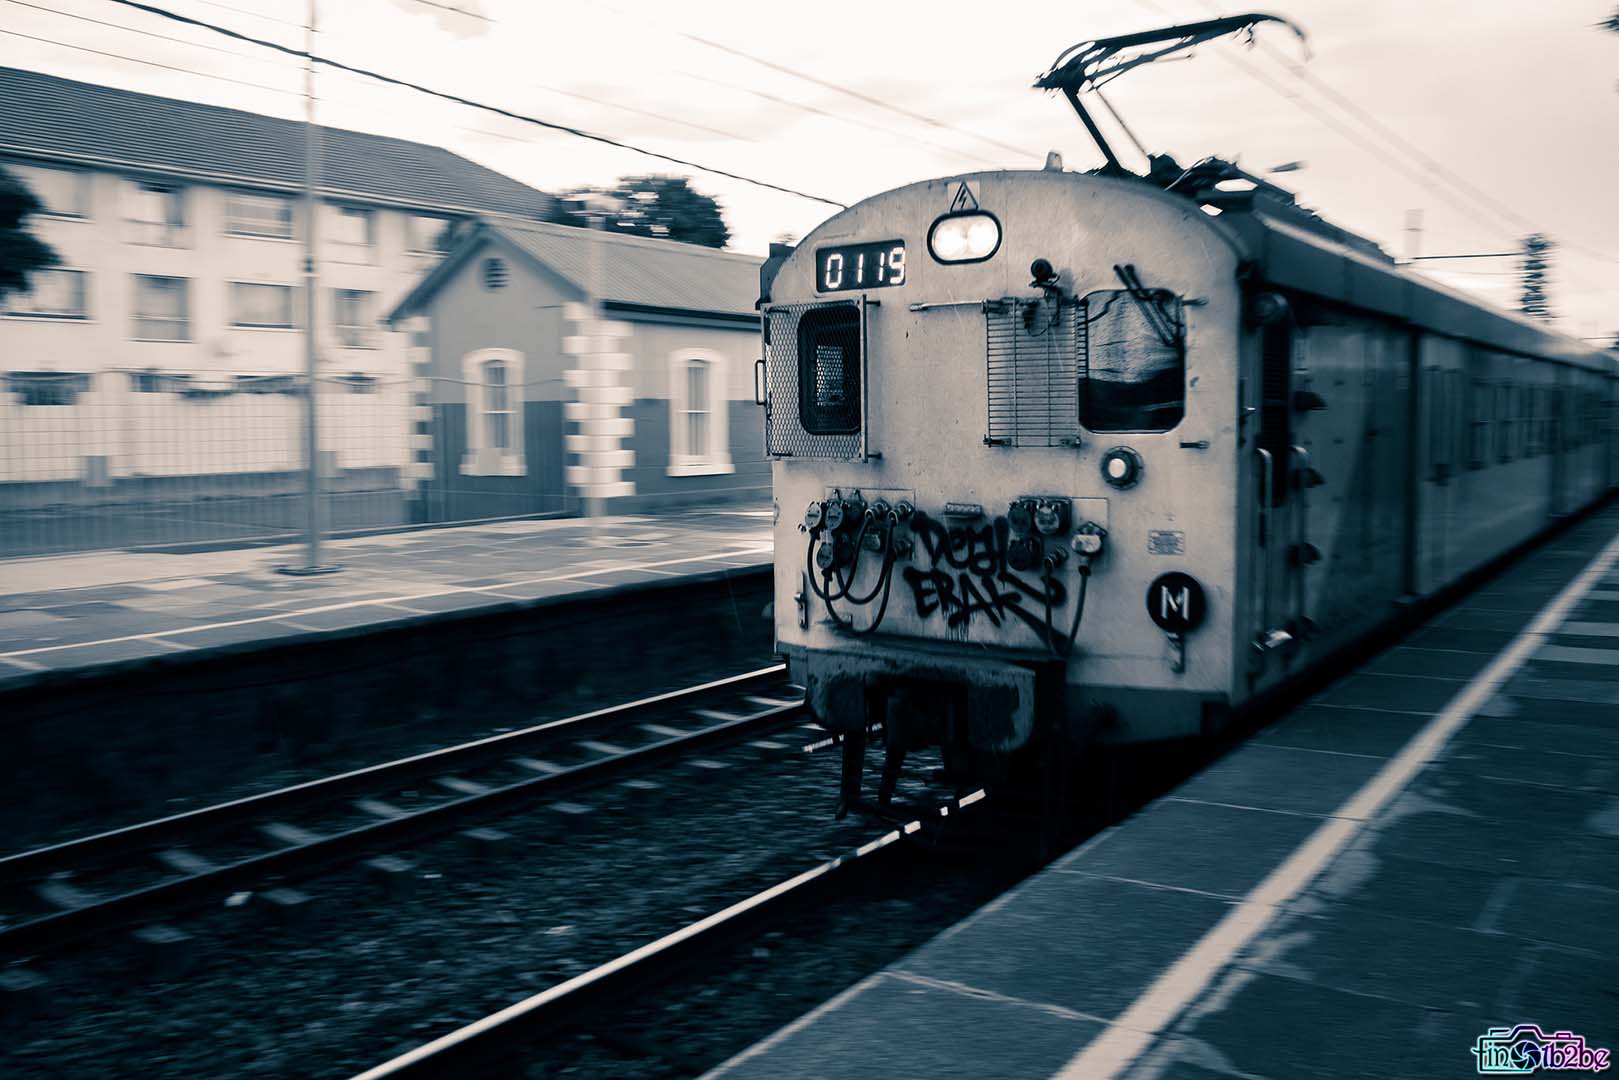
(1105, 457)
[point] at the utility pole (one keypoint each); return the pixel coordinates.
(1413, 235)
(312, 509)
(595, 505)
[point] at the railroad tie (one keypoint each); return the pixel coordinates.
(536, 765)
(377, 808)
(288, 834)
(61, 893)
(461, 785)
(665, 731)
(596, 746)
(186, 862)
(165, 949)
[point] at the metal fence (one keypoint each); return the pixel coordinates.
(141, 459)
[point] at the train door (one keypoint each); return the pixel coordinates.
(1441, 366)
(1388, 459)
(1274, 599)
(1558, 442)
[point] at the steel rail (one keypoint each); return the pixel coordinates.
(450, 1054)
(42, 859)
(61, 927)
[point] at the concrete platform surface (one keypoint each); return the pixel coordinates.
(78, 612)
(1389, 881)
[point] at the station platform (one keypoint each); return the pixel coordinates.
(1388, 881)
(79, 613)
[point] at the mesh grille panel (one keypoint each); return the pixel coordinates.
(815, 378)
(1034, 349)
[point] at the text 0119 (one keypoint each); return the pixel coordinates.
(860, 266)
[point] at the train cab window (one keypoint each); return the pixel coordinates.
(1132, 361)
(829, 370)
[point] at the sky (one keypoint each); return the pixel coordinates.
(1494, 118)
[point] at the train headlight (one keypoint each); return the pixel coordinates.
(964, 237)
(1122, 467)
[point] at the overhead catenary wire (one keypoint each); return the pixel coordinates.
(249, 11)
(813, 110)
(858, 95)
(148, 33)
(1479, 197)
(1355, 136)
(869, 99)
(460, 100)
(642, 112)
(459, 11)
(150, 63)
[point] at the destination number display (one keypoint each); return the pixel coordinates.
(860, 266)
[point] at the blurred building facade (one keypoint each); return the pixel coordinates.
(161, 363)
(538, 398)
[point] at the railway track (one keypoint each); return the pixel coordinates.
(650, 964)
(59, 893)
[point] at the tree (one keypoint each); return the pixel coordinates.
(665, 207)
(21, 253)
(1612, 22)
(1537, 249)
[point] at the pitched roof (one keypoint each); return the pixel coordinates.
(635, 270)
(60, 119)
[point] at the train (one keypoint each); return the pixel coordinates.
(1064, 458)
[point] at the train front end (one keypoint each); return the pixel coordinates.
(1003, 413)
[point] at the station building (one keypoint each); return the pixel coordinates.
(160, 363)
(538, 400)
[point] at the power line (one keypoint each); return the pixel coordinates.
(458, 11)
(1332, 121)
(816, 111)
(642, 112)
(1471, 255)
(857, 95)
(1477, 195)
(496, 109)
(1349, 105)
(146, 33)
(248, 11)
(835, 88)
(151, 63)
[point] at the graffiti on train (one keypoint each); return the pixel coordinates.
(970, 576)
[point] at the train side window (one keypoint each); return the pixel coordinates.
(1537, 421)
(1132, 361)
(1519, 423)
(829, 370)
(1503, 423)
(1478, 424)
(1444, 413)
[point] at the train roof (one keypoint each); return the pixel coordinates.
(1293, 249)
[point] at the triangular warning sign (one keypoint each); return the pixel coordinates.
(964, 199)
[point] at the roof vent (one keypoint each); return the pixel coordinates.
(494, 274)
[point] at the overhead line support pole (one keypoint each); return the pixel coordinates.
(312, 563)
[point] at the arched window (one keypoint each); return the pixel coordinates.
(493, 379)
(698, 428)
